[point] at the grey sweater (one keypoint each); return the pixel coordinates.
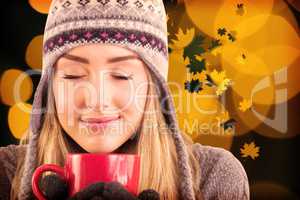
(222, 175)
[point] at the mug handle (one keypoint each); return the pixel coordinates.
(37, 174)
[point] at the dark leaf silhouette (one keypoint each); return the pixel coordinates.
(222, 31)
(196, 66)
(194, 47)
(193, 85)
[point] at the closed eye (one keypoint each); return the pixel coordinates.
(123, 77)
(66, 76)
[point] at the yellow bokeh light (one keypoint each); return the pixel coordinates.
(16, 86)
(19, 118)
(278, 56)
(208, 16)
(203, 13)
(276, 31)
(42, 6)
(232, 57)
(248, 77)
(34, 52)
(257, 11)
(247, 120)
(283, 73)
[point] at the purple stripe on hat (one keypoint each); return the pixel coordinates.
(131, 36)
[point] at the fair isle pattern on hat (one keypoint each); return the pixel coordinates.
(96, 35)
(138, 25)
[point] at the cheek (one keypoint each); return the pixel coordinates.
(123, 99)
(67, 100)
(135, 101)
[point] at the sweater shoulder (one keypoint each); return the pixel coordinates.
(9, 156)
(222, 174)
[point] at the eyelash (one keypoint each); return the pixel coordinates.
(123, 77)
(116, 76)
(71, 77)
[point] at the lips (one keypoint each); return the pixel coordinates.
(97, 124)
(99, 119)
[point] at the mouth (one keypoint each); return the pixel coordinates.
(97, 123)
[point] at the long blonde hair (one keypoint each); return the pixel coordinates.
(155, 145)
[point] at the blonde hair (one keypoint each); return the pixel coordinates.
(155, 145)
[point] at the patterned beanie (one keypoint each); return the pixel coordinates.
(138, 25)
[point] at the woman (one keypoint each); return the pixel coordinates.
(108, 60)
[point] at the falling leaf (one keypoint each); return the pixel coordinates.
(196, 66)
(193, 86)
(231, 36)
(183, 39)
(250, 150)
(214, 44)
(241, 60)
(245, 105)
(229, 124)
(194, 48)
(222, 31)
(219, 79)
(240, 9)
(223, 87)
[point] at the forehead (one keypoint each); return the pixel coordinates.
(100, 54)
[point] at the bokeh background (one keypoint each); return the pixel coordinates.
(236, 65)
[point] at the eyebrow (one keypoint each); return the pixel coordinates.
(110, 60)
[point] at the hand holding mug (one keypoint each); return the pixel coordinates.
(55, 188)
(85, 169)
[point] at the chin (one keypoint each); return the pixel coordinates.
(98, 148)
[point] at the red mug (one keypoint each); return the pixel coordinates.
(83, 169)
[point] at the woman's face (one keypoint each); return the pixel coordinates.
(100, 93)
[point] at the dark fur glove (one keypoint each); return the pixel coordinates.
(116, 191)
(148, 194)
(55, 188)
(93, 191)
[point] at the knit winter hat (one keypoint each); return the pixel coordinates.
(138, 25)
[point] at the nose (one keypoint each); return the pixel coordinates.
(100, 95)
